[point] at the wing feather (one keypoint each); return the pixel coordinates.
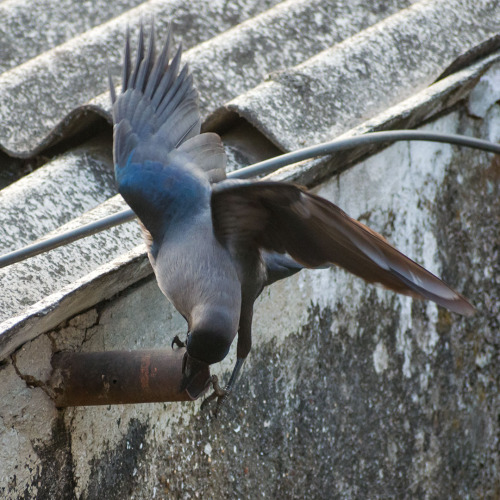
(155, 115)
(159, 105)
(281, 218)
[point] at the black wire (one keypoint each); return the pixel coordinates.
(66, 237)
(263, 167)
(268, 166)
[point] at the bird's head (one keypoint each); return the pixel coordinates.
(204, 347)
(195, 375)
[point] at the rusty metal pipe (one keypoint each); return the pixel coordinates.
(121, 377)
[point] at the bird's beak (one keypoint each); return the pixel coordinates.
(195, 376)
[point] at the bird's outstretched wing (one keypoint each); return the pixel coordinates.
(156, 114)
(281, 217)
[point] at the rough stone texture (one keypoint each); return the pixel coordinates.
(52, 195)
(360, 77)
(36, 97)
(29, 28)
(350, 391)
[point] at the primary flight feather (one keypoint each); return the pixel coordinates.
(214, 247)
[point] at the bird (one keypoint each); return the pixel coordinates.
(215, 243)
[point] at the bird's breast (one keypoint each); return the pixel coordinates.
(192, 268)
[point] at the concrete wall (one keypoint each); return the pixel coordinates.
(349, 392)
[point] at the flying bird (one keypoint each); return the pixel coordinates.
(215, 243)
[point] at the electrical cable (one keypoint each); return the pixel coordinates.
(261, 168)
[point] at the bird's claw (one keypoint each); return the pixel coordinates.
(219, 393)
(176, 341)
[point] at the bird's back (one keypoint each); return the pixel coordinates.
(161, 159)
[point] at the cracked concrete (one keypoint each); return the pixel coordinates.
(27, 415)
(74, 332)
(39, 350)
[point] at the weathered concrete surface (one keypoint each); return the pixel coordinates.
(52, 195)
(379, 67)
(349, 392)
(36, 96)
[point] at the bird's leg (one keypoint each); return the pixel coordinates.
(219, 393)
(178, 342)
(242, 351)
(230, 384)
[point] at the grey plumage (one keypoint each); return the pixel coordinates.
(214, 247)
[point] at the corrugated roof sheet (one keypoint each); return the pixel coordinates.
(299, 71)
(40, 98)
(30, 28)
(73, 182)
(352, 81)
